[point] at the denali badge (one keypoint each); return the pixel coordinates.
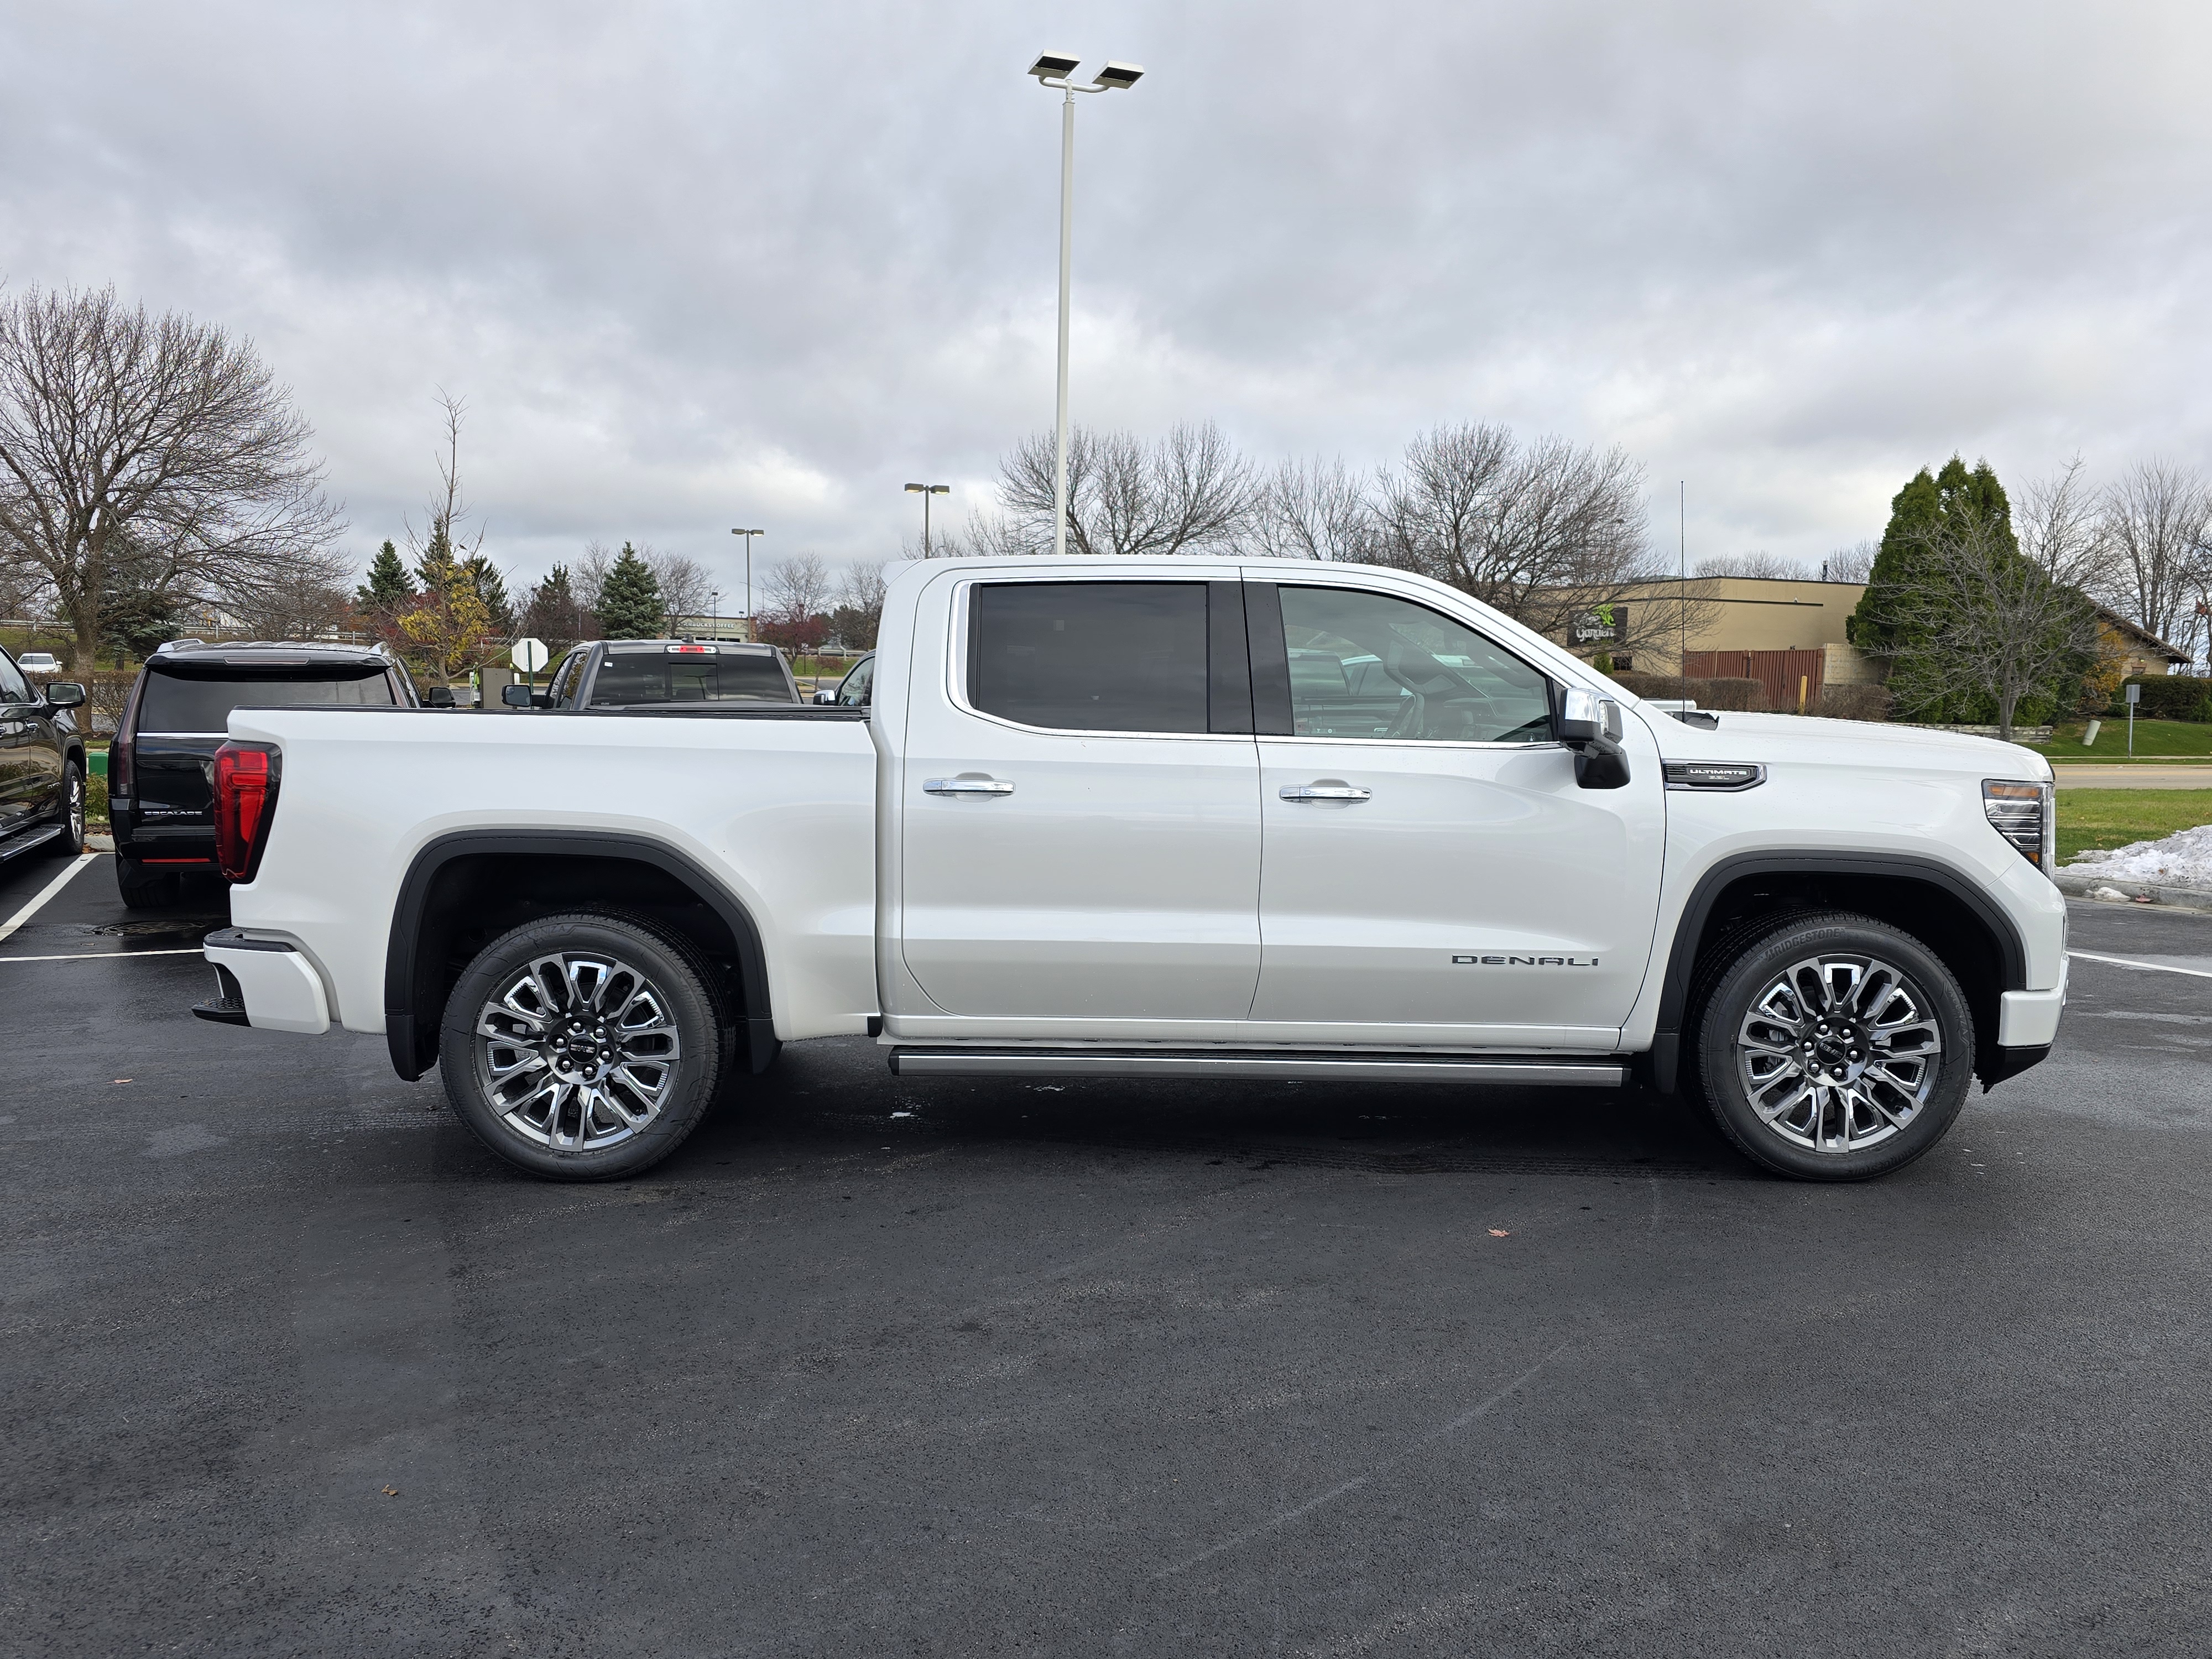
(1524, 962)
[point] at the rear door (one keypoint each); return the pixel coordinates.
(22, 783)
(1433, 872)
(1081, 819)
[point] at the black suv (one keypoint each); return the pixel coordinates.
(643, 674)
(160, 767)
(41, 765)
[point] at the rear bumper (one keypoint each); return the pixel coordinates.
(279, 989)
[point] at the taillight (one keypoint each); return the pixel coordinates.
(246, 776)
(2022, 813)
(119, 766)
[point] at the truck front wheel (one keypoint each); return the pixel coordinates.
(1831, 1047)
(582, 1048)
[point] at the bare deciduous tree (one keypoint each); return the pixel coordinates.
(862, 587)
(1854, 563)
(1191, 492)
(170, 432)
(1546, 532)
(1758, 564)
(312, 598)
(798, 587)
(684, 583)
(2155, 521)
(1312, 509)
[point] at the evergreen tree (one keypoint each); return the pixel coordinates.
(1915, 612)
(389, 586)
(553, 613)
(491, 587)
(630, 601)
(436, 569)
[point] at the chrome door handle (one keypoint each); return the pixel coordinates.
(1325, 792)
(967, 786)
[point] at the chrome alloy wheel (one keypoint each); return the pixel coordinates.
(1839, 1053)
(579, 1053)
(77, 808)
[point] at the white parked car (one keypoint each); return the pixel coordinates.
(1154, 817)
(39, 662)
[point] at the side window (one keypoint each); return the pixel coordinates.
(1368, 665)
(14, 688)
(852, 691)
(1092, 656)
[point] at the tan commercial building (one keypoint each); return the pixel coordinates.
(1720, 621)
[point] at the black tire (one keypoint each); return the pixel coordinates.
(588, 1109)
(143, 892)
(1891, 1054)
(70, 842)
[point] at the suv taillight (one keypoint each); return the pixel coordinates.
(246, 776)
(2022, 813)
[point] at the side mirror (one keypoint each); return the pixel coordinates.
(517, 697)
(1591, 726)
(825, 696)
(65, 694)
(438, 697)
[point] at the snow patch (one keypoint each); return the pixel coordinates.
(2181, 860)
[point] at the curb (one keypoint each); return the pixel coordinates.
(2080, 883)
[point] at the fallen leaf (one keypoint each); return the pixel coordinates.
(1499, 1233)
(392, 1491)
(123, 1079)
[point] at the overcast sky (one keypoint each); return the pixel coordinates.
(693, 266)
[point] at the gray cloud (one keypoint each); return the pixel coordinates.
(699, 265)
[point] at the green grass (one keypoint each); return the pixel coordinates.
(2154, 740)
(2105, 818)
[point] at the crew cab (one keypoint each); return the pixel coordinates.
(161, 800)
(617, 675)
(1112, 818)
(41, 765)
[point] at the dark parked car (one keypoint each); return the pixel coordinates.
(160, 799)
(41, 765)
(646, 674)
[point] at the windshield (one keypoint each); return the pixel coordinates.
(196, 705)
(628, 679)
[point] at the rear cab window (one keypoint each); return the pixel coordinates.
(1162, 657)
(630, 680)
(195, 700)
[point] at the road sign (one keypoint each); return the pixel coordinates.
(2134, 694)
(528, 655)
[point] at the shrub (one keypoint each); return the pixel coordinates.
(1851, 703)
(2167, 697)
(1743, 696)
(95, 800)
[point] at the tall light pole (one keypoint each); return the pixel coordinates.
(749, 535)
(925, 491)
(1053, 68)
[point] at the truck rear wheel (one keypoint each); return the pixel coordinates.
(1831, 1047)
(141, 891)
(582, 1048)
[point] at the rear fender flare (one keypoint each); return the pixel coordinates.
(408, 980)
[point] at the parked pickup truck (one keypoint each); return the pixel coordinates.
(1093, 824)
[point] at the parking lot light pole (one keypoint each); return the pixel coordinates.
(1053, 69)
(925, 491)
(749, 535)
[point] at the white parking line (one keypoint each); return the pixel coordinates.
(2147, 967)
(46, 893)
(109, 956)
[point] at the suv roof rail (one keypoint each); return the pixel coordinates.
(175, 645)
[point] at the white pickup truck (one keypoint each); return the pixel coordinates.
(1145, 817)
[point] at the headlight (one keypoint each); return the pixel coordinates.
(2025, 814)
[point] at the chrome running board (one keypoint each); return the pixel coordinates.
(1344, 1067)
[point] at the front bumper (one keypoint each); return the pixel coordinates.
(266, 983)
(2029, 1019)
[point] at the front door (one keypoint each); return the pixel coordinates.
(1432, 871)
(23, 780)
(1080, 811)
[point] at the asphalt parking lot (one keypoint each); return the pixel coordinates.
(883, 1367)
